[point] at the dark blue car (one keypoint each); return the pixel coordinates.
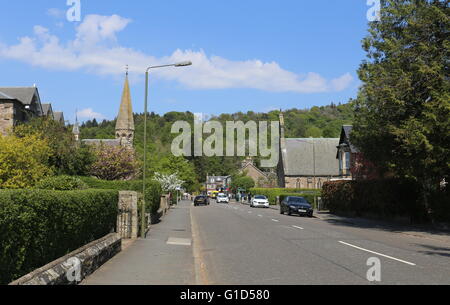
(296, 205)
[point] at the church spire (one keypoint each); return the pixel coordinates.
(125, 120)
(76, 127)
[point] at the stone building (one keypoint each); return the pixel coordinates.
(217, 183)
(124, 126)
(261, 178)
(19, 105)
(306, 163)
(347, 153)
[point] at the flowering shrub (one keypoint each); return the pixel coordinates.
(114, 163)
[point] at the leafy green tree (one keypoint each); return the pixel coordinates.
(23, 161)
(242, 181)
(67, 156)
(403, 109)
(183, 168)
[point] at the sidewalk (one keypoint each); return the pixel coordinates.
(164, 258)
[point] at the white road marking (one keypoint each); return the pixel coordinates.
(250, 212)
(275, 220)
(300, 228)
(260, 215)
(373, 252)
(179, 241)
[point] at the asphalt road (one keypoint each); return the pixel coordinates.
(237, 245)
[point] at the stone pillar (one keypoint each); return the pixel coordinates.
(127, 219)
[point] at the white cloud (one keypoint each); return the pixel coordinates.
(56, 13)
(89, 114)
(95, 49)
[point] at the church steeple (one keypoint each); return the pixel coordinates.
(76, 128)
(125, 120)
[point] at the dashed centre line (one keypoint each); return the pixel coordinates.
(376, 253)
(275, 220)
(297, 227)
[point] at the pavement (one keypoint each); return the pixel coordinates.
(163, 258)
(238, 245)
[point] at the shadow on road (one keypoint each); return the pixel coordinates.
(392, 227)
(432, 250)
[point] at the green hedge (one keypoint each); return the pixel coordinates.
(153, 189)
(119, 185)
(62, 183)
(39, 226)
(380, 198)
(272, 193)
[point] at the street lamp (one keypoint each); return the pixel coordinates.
(180, 64)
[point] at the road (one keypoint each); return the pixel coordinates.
(237, 245)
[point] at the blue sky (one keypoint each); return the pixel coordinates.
(247, 55)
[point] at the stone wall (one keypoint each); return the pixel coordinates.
(6, 117)
(306, 182)
(90, 257)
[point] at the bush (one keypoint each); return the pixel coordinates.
(62, 183)
(153, 191)
(23, 161)
(273, 193)
(153, 194)
(379, 198)
(39, 226)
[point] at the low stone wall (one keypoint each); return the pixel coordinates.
(90, 257)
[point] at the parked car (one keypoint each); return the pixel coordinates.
(259, 201)
(222, 198)
(296, 205)
(201, 200)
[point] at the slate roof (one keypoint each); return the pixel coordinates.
(46, 108)
(58, 116)
(4, 96)
(98, 142)
(345, 138)
(125, 120)
(298, 157)
(23, 94)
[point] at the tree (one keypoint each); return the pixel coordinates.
(23, 161)
(243, 182)
(403, 108)
(114, 163)
(169, 183)
(67, 156)
(183, 169)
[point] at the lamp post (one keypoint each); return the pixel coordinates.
(180, 64)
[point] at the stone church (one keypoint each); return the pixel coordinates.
(124, 125)
(306, 163)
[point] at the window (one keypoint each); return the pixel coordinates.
(347, 160)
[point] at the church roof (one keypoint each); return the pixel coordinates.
(125, 120)
(99, 142)
(299, 155)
